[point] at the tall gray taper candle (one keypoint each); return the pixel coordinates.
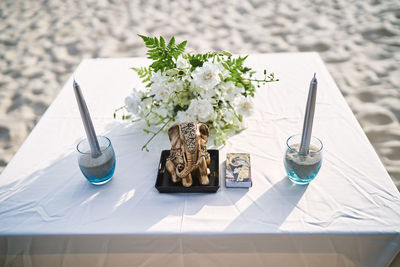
(87, 122)
(309, 117)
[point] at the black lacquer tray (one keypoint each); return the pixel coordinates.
(164, 183)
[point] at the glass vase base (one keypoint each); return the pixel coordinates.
(300, 181)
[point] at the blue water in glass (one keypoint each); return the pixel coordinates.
(97, 177)
(301, 178)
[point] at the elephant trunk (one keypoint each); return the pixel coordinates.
(186, 171)
(190, 166)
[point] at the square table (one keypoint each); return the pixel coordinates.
(51, 216)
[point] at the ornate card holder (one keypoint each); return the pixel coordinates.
(238, 170)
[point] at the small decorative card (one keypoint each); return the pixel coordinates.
(238, 170)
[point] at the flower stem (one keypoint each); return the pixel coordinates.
(149, 96)
(118, 109)
(264, 81)
(234, 112)
(154, 135)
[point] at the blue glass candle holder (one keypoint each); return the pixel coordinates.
(97, 170)
(302, 168)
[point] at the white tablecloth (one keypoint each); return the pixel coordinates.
(51, 216)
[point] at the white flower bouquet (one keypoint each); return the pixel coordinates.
(214, 88)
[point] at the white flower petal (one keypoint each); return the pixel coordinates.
(206, 76)
(132, 102)
(182, 63)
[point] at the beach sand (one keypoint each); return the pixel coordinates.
(42, 42)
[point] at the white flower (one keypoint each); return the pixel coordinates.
(159, 87)
(144, 106)
(196, 90)
(202, 109)
(175, 85)
(159, 78)
(244, 105)
(171, 72)
(162, 86)
(170, 107)
(210, 95)
(184, 116)
(206, 76)
(229, 115)
(230, 91)
(182, 63)
(153, 119)
(223, 70)
(162, 94)
(187, 77)
(161, 111)
(132, 102)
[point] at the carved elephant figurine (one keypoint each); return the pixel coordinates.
(189, 156)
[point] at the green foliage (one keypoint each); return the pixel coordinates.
(145, 74)
(242, 76)
(162, 54)
(237, 73)
(198, 60)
